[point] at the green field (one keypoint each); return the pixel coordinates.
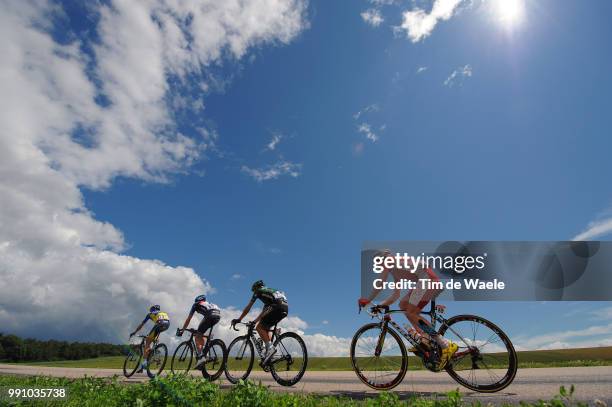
(540, 358)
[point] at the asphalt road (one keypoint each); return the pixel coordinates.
(529, 385)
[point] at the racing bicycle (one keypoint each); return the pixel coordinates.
(156, 360)
(485, 361)
(214, 352)
(287, 366)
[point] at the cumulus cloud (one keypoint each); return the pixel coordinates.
(458, 75)
(418, 24)
(372, 17)
(595, 229)
(81, 113)
(273, 171)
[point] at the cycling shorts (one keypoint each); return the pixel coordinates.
(208, 322)
(161, 326)
(274, 314)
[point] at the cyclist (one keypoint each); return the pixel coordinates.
(275, 309)
(211, 314)
(413, 302)
(161, 321)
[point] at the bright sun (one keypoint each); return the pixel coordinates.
(509, 12)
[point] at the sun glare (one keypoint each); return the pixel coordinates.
(509, 12)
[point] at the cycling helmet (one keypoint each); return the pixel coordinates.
(200, 298)
(154, 308)
(257, 284)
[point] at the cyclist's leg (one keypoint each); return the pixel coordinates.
(263, 327)
(271, 318)
(153, 334)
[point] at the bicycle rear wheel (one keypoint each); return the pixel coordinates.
(289, 363)
(240, 358)
(156, 361)
(132, 361)
(379, 357)
(486, 360)
(182, 358)
(215, 360)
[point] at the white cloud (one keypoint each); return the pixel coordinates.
(276, 138)
(274, 171)
(236, 276)
(368, 109)
(457, 76)
(597, 335)
(595, 229)
(418, 24)
(372, 17)
(62, 273)
(366, 129)
(421, 69)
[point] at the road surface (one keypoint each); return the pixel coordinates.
(529, 385)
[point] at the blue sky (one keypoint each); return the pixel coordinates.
(479, 130)
(514, 152)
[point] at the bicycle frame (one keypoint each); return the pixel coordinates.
(208, 338)
(435, 318)
(251, 335)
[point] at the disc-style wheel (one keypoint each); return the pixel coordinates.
(289, 362)
(379, 356)
(132, 362)
(215, 360)
(486, 360)
(240, 358)
(156, 361)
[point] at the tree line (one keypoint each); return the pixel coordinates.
(16, 349)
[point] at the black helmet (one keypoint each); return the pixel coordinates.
(154, 308)
(200, 298)
(257, 284)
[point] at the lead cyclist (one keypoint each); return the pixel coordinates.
(413, 302)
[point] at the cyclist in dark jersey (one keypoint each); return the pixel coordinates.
(211, 314)
(274, 310)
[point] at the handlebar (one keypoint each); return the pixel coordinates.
(247, 324)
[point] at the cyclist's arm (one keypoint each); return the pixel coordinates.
(376, 291)
(140, 326)
(247, 309)
(188, 320)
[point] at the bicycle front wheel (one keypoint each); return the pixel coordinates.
(240, 358)
(379, 356)
(289, 363)
(486, 360)
(182, 358)
(131, 362)
(215, 360)
(156, 361)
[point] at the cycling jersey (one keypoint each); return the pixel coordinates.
(156, 317)
(269, 296)
(205, 308)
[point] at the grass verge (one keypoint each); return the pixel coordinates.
(187, 391)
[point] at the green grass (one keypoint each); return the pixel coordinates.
(187, 391)
(540, 358)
